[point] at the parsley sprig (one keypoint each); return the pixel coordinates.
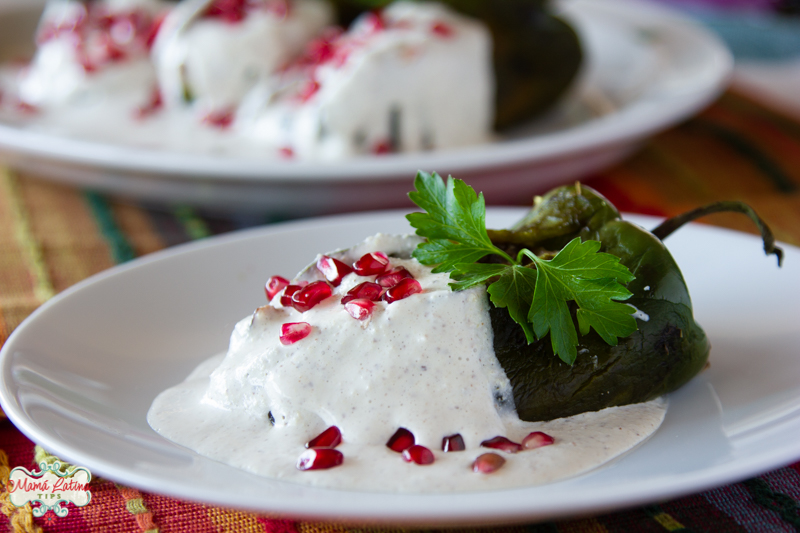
(535, 294)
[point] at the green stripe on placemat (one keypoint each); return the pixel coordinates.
(121, 249)
(195, 227)
(776, 502)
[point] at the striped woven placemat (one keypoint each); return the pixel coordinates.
(53, 236)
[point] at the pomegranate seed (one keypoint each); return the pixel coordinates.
(374, 22)
(333, 269)
(418, 454)
(360, 309)
(453, 443)
(502, 443)
(152, 31)
(371, 264)
(320, 50)
(393, 277)
(383, 147)
(274, 285)
(487, 463)
(442, 30)
(364, 291)
(279, 8)
(319, 459)
(401, 440)
(231, 11)
(310, 295)
(151, 107)
(330, 438)
(308, 90)
(294, 331)
(25, 107)
(537, 439)
(220, 119)
(288, 292)
(88, 66)
(402, 290)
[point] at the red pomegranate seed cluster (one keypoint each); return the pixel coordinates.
(235, 11)
(404, 443)
(102, 37)
(321, 454)
(390, 285)
(334, 48)
(221, 118)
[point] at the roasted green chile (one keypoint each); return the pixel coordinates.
(669, 347)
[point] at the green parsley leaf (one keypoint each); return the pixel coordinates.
(514, 291)
(536, 298)
(454, 223)
(469, 275)
(579, 273)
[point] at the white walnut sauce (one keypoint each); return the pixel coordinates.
(425, 363)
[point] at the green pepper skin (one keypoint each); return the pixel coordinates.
(665, 352)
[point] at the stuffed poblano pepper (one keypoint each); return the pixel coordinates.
(589, 311)
(536, 54)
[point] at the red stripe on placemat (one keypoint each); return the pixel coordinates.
(16, 445)
(277, 526)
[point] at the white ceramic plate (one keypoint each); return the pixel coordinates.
(79, 375)
(653, 66)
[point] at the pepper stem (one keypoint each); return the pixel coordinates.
(670, 225)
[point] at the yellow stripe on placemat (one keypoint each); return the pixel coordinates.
(669, 523)
(587, 525)
(135, 505)
(230, 520)
(30, 247)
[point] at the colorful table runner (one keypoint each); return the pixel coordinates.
(53, 236)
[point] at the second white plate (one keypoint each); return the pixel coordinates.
(649, 66)
(79, 375)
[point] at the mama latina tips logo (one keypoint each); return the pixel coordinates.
(50, 488)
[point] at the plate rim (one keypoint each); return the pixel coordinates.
(508, 508)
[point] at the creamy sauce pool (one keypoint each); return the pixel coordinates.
(424, 363)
